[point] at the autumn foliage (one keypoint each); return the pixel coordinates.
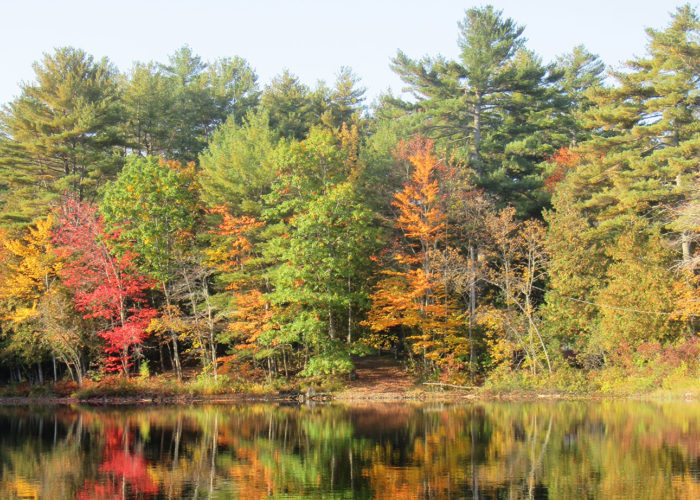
(561, 162)
(105, 286)
(411, 297)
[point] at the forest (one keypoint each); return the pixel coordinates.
(505, 222)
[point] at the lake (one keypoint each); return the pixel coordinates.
(600, 449)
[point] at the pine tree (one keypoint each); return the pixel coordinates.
(237, 167)
(290, 106)
(148, 97)
(61, 133)
(498, 101)
(623, 198)
(581, 71)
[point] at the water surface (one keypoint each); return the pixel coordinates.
(609, 449)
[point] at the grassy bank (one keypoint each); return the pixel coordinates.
(513, 386)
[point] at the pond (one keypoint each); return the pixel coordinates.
(600, 449)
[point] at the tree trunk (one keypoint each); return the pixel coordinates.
(162, 359)
(173, 337)
(476, 155)
(472, 307)
(685, 234)
(210, 324)
(193, 306)
(331, 324)
(349, 339)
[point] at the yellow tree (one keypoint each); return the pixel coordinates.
(413, 296)
(35, 309)
(517, 267)
(30, 271)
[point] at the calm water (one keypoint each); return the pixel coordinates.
(605, 450)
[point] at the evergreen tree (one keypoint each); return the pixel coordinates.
(237, 167)
(497, 107)
(234, 85)
(149, 99)
(203, 96)
(580, 71)
(344, 102)
(617, 206)
(290, 106)
(61, 133)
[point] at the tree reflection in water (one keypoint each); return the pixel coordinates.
(610, 449)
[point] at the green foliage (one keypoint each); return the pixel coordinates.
(61, 133)
(294, 108)
(320, 254)
(172, 109)
(581, 71)
(152, 206)
(332, 362)
(613, 249)
(497, 107)
(144, 369)
(289, 105)
(237, 167)
(148, 96)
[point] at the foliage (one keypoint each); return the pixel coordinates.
(412, 296)
(105, 286)
(545, 236)
(61, 132)
(497, 107)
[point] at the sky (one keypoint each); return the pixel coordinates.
(311, 38)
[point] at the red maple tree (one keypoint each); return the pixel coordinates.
(105, 284)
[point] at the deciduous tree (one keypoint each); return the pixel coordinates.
(105, 285)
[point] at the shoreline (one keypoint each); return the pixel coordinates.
(339, 397)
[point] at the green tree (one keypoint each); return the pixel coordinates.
(581, 71)
(620, 203)
(290, 106)
(154, 209)
(237, 167)
(318, 240)
(323, 276)
(204, 95)
(344, 103)
(497, 107)
(61, 133)
(149, 99)
(235, 87)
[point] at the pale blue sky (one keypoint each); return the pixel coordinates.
(312, 38)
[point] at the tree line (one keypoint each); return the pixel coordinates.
(505, 219)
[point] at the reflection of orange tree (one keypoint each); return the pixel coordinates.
(518, 451)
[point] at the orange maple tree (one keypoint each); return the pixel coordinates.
(412, 296)
(252, 311)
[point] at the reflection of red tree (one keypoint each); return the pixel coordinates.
(94, 490)
(123, 466)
